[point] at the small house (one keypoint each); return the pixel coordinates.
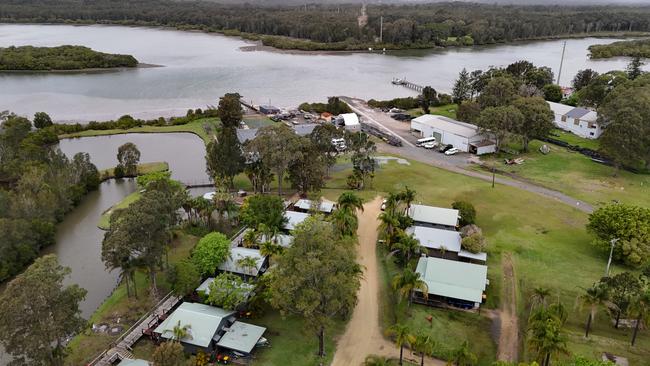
(444, 244)
(294, 219)
(451, 283)
(210, 328)
(304, 129)
(447, 131)
(351, 122)
(244, 135)
(580, 121)
(304, 205)
(233, 262)
(436, 217)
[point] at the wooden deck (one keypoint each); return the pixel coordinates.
(121, 348)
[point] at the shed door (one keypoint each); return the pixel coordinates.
(438, 136)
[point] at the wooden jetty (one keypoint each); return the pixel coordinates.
(121, 347)
(405, 83)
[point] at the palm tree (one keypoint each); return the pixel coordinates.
(374, 360)
(403, 337)
(539, 296)
(350, 201)
(392, 203)
(640, 306)
(407, 246)
(389, 226)
(424, 344)
(270, 249)
(408, 196)
(248, 263)
(345, 222)
(250, 238)
(179, 332)
(546, 334)
(594, 298)
(408, 281)
(462, 356)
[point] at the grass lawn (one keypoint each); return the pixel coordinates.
(88, 344)
(105, 218)
(576, 175)
(290, 343)
(196, 127)
(574, 139)
(548, 241)
(257, 121)
(448, 110)
(144, 168)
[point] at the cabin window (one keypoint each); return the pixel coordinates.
(576, 121)
(563, 118)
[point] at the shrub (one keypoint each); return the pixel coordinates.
(467, 212)
(118, 172)
(474, 243)
(210, 252)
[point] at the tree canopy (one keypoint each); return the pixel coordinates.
(210, 251)
(60, 58)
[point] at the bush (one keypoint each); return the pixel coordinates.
(401, 103)
(474, 243)
(118, 172)
(467, 212)
(210, 252)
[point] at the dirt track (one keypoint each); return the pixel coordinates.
(509, 327)
(363, 335)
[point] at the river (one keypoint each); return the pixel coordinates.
(200, 67)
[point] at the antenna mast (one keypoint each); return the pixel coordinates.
(381, 29)
(559, 74)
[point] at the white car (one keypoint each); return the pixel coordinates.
(430, 145)
(452, 151)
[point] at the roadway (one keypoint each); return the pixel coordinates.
(459, 163)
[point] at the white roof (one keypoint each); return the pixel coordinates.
(435, 238)
(209, 196)
(480, 256)
(590, 117)
(203, 321)
(350, 119)
(325, 206)
(434, 215)
(237, 253)
(447, 124)
(453, 279)
(294, 218)
(559, 108)
(282, 240)
(241, 337)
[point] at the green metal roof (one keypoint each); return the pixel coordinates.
(241, 337)
(456, 280)
(203, 321)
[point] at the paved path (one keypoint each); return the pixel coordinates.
(363, 335)
(457, 163)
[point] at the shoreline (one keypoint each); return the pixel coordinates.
(88, 70)
(255, 43)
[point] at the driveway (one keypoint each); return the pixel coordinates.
(457, 163)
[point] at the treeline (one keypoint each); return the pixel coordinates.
(334, 106)
(126, 122)
(61, 58)
(637, 48)
(335, 27)
(38, 185)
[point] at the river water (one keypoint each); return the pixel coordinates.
(199, 67)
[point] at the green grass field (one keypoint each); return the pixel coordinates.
(576, 175)
(448, 110)
(105, 218)
(573, 139)
(144, 168)
(548, 241)
(195, 127)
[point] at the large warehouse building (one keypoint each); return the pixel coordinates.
(447, 131)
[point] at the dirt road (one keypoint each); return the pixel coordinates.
(509, 325)
(363, 335)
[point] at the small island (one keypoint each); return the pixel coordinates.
(61, 58)
(634, 48)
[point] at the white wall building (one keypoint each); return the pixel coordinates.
(464, 136)
(580, 121)
(351, 121)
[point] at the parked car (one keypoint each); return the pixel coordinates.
(444, 148)
(396, 110)
(401, 116)
(430, 145)
(452, 151)
(383, 205)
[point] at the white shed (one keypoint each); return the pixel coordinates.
(351, 122)
(461, 135)
(580, 121)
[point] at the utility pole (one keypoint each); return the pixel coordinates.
(611, 252)
(381, 29)
(559, 74)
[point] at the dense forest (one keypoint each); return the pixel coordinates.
(317, 26)
(636, 48)
(38, 185)
(60, 58)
